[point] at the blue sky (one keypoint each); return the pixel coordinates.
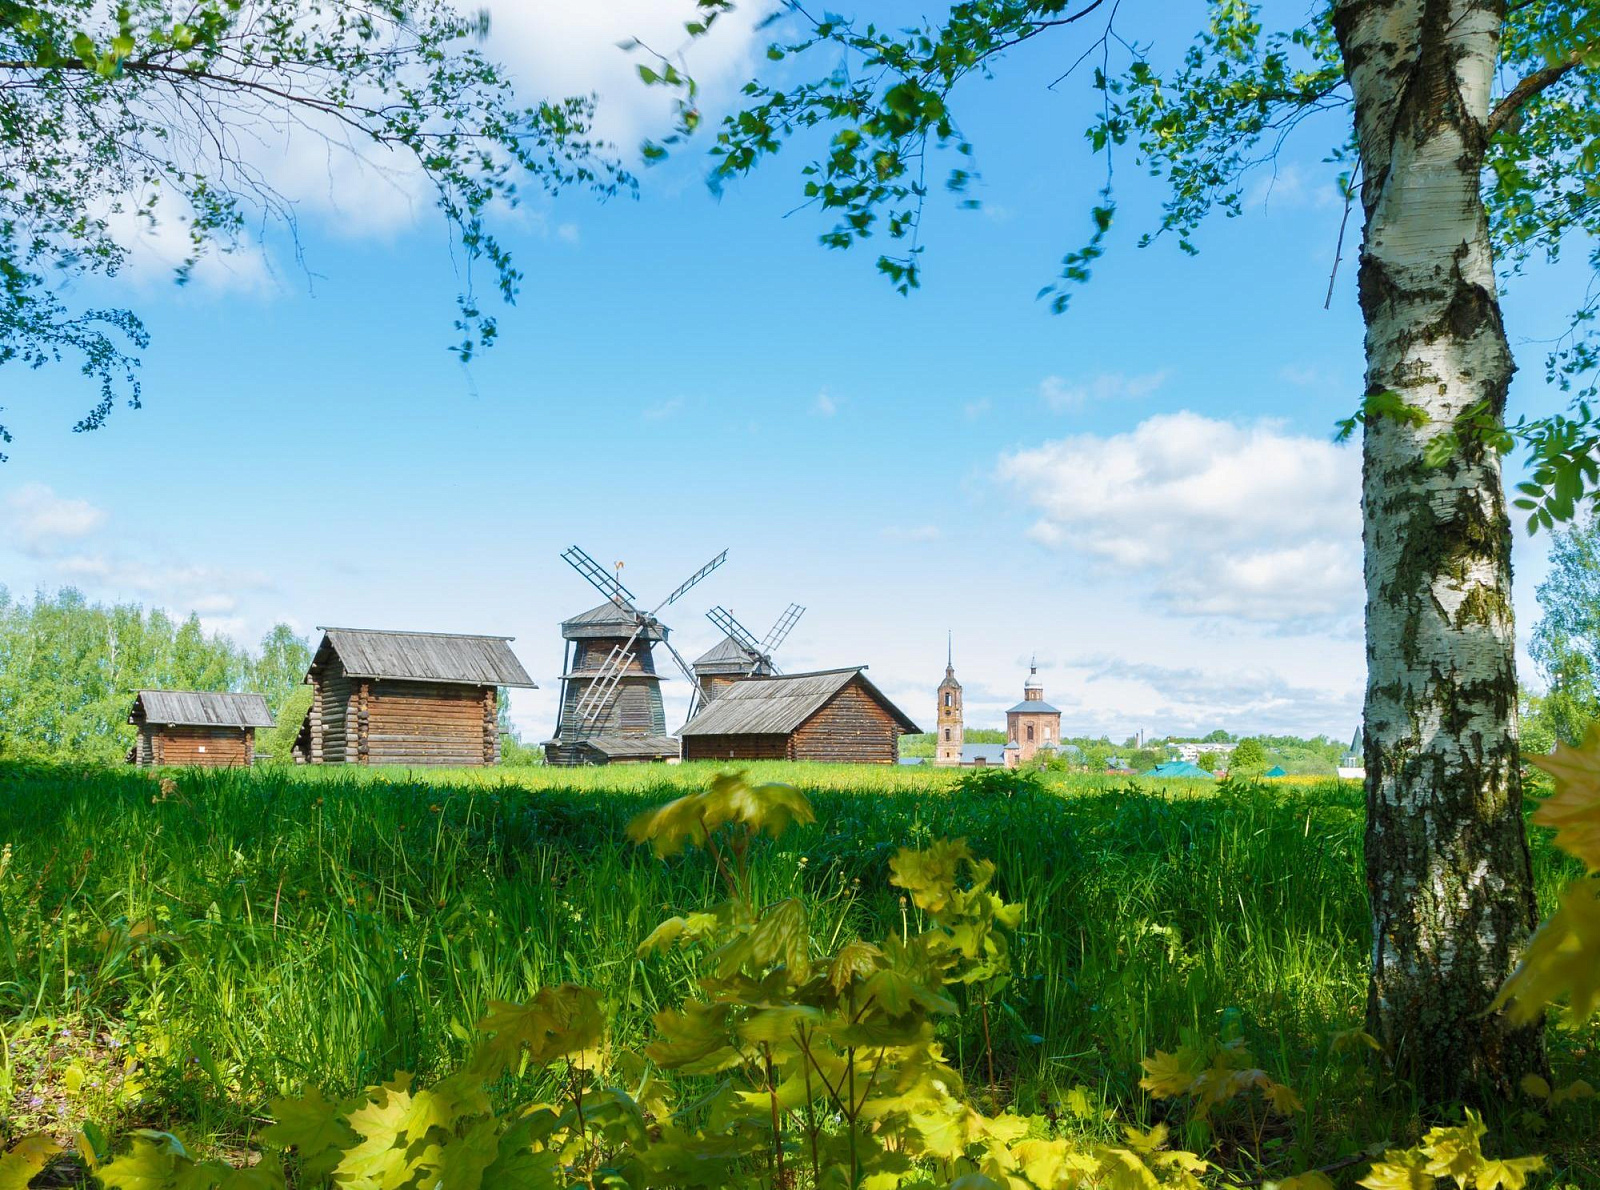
(1142, 492)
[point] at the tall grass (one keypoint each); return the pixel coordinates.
(251, 932)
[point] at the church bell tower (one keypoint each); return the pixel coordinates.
(948, 747)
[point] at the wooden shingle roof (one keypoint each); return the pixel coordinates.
(424, 657)
(728, 656)
(200, 708)
(779, 705)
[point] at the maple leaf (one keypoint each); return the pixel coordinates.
(1282, 1099)
(1563, 959)
(679, 931)
(1312, 1179)
(930, 875)
(1167, 1075)
(380, 1160)
(567, 1021)
(1574, 809)
(462, 1162)
(25, 1159)
(769, 808)
(518, 1166)
(855, 960)
(1455, 1152)
(314, 1127)
(1508, 1172)
(266, 1174)
(154, 1161)
(1399, 1170)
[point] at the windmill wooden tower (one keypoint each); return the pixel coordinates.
(739, 654)
(611, 708)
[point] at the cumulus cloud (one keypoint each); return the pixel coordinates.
(1186, 699)
(1217, 519)
(37, 519)
(556, 49)
(1062, 395)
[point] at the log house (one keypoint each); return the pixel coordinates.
(407, 698)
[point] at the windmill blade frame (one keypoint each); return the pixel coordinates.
(742, 636)
(693, 580)
(598, 576)
(781, 629)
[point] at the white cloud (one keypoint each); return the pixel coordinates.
(663, 410)
(976, 409)
(37, 519)
(1061, 395)
(1239, 521)
(567, 233)
(824, 405)
(1291, 186)
(554, 49)
(1188, 699)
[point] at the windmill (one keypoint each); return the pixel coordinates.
(739, 654)
(611, 708)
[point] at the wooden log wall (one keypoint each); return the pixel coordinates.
(206, 747)
(426, 723)
(334, 690)
(853, 728)
(735, 747)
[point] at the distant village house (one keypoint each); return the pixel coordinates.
(191, 727)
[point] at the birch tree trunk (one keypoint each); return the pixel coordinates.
(1448, 872)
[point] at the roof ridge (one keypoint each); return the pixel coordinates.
(809, 673)
(411, 632)
(170, 690)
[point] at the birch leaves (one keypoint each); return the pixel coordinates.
(1563, 960)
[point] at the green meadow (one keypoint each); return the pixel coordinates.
(176, 949)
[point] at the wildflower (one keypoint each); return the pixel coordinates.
(36, 1101)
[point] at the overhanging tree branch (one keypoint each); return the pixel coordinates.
(1532, 84)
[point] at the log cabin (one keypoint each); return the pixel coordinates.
(194, 727)
(407, 698)
(833, 715)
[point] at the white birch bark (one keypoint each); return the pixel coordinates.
(1448, 870)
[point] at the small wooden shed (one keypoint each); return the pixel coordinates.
(832, 715)
(412, 698)
(197, 727)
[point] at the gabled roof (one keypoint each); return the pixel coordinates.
(200, 708)
(973, 752)
(424, 657)
(729, 658)
(725, 651)
(780, 705)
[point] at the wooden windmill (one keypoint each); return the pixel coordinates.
(739, 654)
(611, 708)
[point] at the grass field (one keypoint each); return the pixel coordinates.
(175, 957)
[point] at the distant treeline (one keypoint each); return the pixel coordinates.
(69, 670)
(1317, 756)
